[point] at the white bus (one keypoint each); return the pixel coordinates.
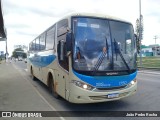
(86, 58)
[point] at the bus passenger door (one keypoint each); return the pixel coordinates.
(63, 68)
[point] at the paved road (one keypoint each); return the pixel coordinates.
(18, 94)
(20, 64)
(146, 99)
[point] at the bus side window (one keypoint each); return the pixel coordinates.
(50, 38)
(62, 27)
(37, 44)
(34, 45)
(30, 47)
(42, 42)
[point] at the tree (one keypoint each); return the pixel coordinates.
(139, 32)
(15, 54)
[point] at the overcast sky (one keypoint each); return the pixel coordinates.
(25, 19)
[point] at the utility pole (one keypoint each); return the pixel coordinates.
(155, 50)
(140, 30)
(6, 54)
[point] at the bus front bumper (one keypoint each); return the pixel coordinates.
(79, 95)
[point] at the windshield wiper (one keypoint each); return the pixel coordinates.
(118, 51)
(99, 62)
(101, 58)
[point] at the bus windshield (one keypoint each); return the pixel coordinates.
(103, 45)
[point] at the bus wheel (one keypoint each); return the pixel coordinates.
(53, 88)
(32, 75)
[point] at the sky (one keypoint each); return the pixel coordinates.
(26, 19)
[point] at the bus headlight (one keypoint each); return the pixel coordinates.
(132, 82)
(82, 85)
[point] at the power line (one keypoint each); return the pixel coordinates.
(155, 37)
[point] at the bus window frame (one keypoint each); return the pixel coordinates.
(62, 29)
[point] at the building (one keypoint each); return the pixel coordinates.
(155, 49)
(147, 51)
(3, 31)
(151, 50)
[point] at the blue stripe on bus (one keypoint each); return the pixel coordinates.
(107, 81)
(42, 61)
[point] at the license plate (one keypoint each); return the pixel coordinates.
(114, 95)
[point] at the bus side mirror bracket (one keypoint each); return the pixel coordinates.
(135, 37)
(68, 41)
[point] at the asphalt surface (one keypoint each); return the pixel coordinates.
(19, 92)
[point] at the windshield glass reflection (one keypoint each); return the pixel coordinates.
(94, 45)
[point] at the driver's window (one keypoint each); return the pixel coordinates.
(61, 36)
(63, 63)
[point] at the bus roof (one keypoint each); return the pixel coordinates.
(95, 15)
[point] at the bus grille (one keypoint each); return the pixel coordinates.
(103, 97)
(112, 88)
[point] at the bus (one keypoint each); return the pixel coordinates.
(86, 58)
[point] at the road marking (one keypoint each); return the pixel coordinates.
(62, 118)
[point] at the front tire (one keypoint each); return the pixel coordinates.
(32, 75)
(53, 87)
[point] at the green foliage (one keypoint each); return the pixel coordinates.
(19, 52)
(137, 36)
(138, 45)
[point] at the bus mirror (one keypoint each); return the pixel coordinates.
(62, 50)
(68, 41)
(135, 37)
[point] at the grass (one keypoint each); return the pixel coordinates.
(150, 62)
